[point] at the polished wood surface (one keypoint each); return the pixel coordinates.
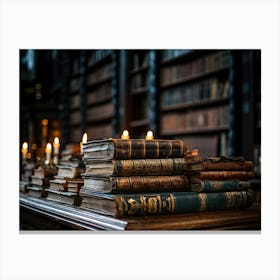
(40, 214)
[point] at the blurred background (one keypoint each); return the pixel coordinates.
(211, 99)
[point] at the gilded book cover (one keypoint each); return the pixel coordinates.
(220, 175)
(133, 149)
(142, 204)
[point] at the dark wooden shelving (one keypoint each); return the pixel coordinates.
(139, 91)
(196, 104)
(196, 131)
(137, 123)
(99, 82)
(99, 63)
(139, 70)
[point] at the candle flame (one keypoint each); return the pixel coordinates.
(49, 146)
(84, 138)
(125, 133)
(56, 140)
(150, 135)
(25, 145)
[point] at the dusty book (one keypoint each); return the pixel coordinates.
(220, 163)
(136, 184)
(58, 184)
(38, 181)
(136, 167)
(64, 197)
(219, 186)
(220, 175)
(75, 184)
(142, 204)
(133, 149)
(69, 171)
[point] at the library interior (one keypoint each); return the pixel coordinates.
(140, 139)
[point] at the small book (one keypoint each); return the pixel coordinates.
(58, 184)
(74, 185)
(219, 186)
(37, 192)
(133, 149)
(68, 171)
(64, 197)
(43, 172)
(142, 204)
(39, 181)
(136, 184)
(220, 163)
(220, 175)
(136, 167)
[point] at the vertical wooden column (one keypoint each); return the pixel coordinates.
(83, 91)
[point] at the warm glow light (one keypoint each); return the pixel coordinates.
(49, 147)
(150, 135)
(84, 138)
(25, 145)
(56, 140)
(125, 135)
(45, 122)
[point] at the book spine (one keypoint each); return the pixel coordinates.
(220, 186)
(172, 203)
(226, 166)
(142, 149)
(225, 175)
(151, 184)
(156, 167)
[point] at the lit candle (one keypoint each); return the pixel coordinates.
(56, 146)
(125, 135)
(84, 140)
(48, 153)
(150, 135)
(24, 150)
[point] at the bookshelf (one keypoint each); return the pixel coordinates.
(194, 98)
(101, 93)
(140, 99)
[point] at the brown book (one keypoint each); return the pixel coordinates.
(38, 181)
(136, 184)
(133, 149)
(68, 171)
(58, 184)
(74, 185)
(136, 167)
(43, 172)
(220, 163)
(220, 175)
(64, 197)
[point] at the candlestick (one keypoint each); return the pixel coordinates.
(125, 135)
(24, 150)
(150, 135)
(84, 140)
(48, 153)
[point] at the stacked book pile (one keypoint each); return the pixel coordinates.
(134, 177)
(40, 181)
(25, 180)
(220, 182)
(66, 184)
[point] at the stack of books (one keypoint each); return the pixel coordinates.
(133, 177)
(25, 180)
(40, 181)
(66, 184)
(220, 182)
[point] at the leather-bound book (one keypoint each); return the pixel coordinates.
(220, 175)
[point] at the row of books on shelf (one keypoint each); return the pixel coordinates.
(194, 119)
(209, 89)
(99, 75)
(195, 68)
(171, 54)
(139, 60)
(101, 112)
(139, 80)
(97, 55)
(149, 177)
(75, 84)
(100, 94)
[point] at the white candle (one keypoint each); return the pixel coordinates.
(48, 153)
(150, 135)
(125, 135)
(56, 146)
(84, 140)
(24, 150)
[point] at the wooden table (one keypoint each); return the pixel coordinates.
(41, 214)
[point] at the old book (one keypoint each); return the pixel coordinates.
(69, 171)
(220, 163)
(43, 172)
(36, 191)
(64, 197)
(220, 175)
(134, 167)
(133, 149)
(74, 185)
(58, 184)
(23, 186)
(219, 186)
(163, 203)
(136, 184)
(39, 181)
